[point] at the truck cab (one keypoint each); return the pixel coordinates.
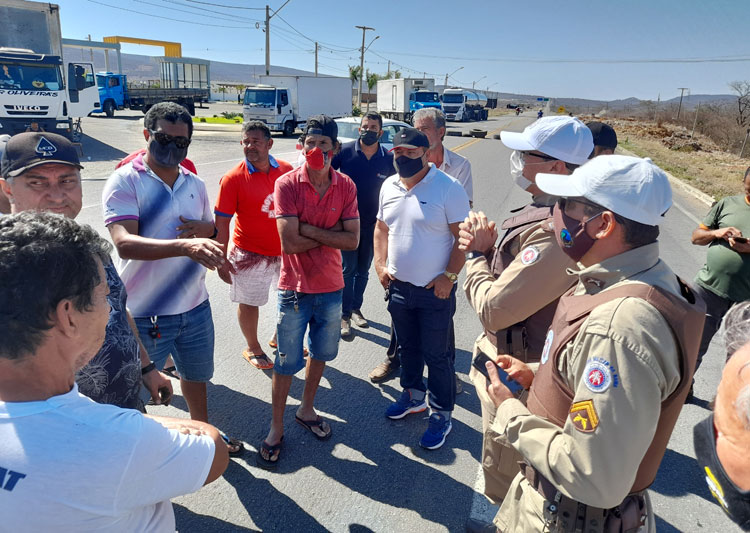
(423, 99)
(271, 105)
(113, 92)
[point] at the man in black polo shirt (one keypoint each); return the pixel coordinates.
(368, 164)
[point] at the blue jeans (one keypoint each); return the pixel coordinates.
(297, 310)
(422, 323)
(188, 337)
(356, 264)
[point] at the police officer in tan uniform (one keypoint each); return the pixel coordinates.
(514, 287)
(616, 366)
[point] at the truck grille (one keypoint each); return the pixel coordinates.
(451, 108)
(27, 110)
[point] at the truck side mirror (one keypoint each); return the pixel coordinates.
(278, 108)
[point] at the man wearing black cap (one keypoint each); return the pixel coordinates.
(417, 260)
(41, 172)
(605, 138)
(317, 217)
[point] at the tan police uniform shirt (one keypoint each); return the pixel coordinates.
(631, 339)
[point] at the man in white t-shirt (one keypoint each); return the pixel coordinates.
(417, 260)
(68, 463)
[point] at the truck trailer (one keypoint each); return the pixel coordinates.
(399, 98)
(461, 105)
(38, 90)
(286, 102)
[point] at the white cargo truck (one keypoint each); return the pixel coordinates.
(38, 91)
(399, 98)
(286, 102)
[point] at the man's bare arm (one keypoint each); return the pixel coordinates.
(194, 427)
(703, 236)
(346, 238)
(292, 242)
(380, 245)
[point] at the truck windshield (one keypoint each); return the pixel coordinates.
(425, 96)
(453, 98)
(260, 97)
(30, 77)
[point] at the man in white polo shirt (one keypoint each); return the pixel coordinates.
(417, 260)
(68, 463)
(160, 220)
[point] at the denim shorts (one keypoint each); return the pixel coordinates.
(188, 337)
(297, 310)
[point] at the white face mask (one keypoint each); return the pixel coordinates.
(516, 171)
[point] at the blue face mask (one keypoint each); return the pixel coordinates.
(407, 167)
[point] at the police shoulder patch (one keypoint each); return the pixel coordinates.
(597, 375)
(547, 345)
(583, 416)
(529, 255)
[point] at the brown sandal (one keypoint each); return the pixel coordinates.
(272, 453)
(259, 361)
(319, 424)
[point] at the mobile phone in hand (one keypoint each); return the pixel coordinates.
(740, 239)
(479, 363)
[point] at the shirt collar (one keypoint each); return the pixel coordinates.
(427, 178)
(332, 174)
(251, 169)
(613, 270)
(381, 150)
(140, 165)
(446, 158)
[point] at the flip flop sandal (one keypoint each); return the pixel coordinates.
(271, 451)
(171, 371)
(234, 443)
(310, 426)
(259, 361)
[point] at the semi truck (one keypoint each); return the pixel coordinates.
(116, 93)
(461, 105)
(286, 102)
(38, 90)
(399, 98)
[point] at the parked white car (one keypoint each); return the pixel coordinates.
(348, 130)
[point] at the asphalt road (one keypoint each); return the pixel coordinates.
(372, 475)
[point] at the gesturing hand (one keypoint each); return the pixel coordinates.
(206, 252)
(477, 233)
(191, 229)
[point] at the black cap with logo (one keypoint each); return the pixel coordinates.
(410, 138)
(31, 149)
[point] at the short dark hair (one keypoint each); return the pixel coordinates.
(256, 125)
(636, 233)
(169, 111)
(747, 172)
(372, 115)
(44, 258)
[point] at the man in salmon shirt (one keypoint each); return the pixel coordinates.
(317, 217)
(247, 192)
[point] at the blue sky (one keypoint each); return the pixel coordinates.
(579, 48)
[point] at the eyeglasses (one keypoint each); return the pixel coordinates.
(543, 157)
(164, 139)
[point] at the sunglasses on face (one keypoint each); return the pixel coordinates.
(164, 139)
(568, 206)
(543, 157)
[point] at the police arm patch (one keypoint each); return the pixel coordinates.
(583, 416)
(529, 255)
(597, 375)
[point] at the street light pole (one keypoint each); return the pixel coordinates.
(362, 62)
(473, 83)
(451, 74)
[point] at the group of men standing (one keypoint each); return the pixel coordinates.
(574, 302)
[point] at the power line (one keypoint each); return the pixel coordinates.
(340, 48)
(221, 5)
(232, 17)
(167, 18)
(184, 11)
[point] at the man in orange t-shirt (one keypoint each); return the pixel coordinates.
(247, 192)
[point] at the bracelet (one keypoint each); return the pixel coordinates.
(474, 254)
(148, 368)
(216, 232)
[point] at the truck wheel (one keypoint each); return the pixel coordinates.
(289, 128)
(109, 108)
(407, 118)
(190, 106)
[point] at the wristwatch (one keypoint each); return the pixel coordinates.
(474, 254)
(451, 276)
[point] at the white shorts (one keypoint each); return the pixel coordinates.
(256, 275)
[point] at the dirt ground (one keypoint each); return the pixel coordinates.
(697, 160)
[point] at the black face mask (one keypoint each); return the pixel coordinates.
(734, 501)
(368, 137)
(407, 167)
(571, 234)
(168, 155)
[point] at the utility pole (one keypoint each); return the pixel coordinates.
(316, 59)
(362, 62)
(91, 50)
(389, 69)
(679, 108)
(269, 16)
(696, 119)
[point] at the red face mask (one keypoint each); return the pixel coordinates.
(316, 158)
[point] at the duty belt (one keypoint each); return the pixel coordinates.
(565, 515)
(511, 341)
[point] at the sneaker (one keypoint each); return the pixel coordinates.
(359, 320)
(383, 371)
(405, 406)
(436, 432)
(346, 327)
